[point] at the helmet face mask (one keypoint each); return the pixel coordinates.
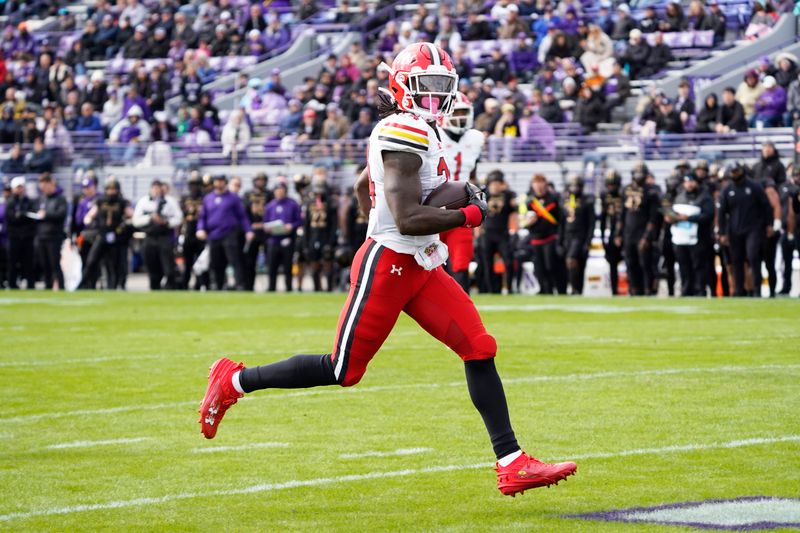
(423, 81)
(462, 118)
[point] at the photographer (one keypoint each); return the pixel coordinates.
(158, 216)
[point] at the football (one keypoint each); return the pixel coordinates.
(449, 195)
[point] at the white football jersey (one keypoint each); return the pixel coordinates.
(462, 155)
(403, 132)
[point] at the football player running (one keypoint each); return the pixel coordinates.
(399, 269)
(462, 147)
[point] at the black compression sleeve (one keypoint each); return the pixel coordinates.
(486, 391)
(297, 372)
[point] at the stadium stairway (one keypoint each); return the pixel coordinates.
(784, 34)
(732, 78)
(297, 66)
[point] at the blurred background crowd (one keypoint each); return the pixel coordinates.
(97, 88)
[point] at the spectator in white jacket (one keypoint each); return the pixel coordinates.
(235, 134)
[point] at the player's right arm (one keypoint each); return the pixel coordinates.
(403, 192)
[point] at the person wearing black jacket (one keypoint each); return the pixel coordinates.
(590, 109)
(692, 234)
(660, 55)
(15, 164)
(744, 220)
(787, 191)
(550, 110)
(730, 117)
(255, 200)
(707, 117)
(21, 232)
(640, 221)
(50, 230)
(40, 159)
(578, 230)
(542, 219)
(667, 119)
(770, 173)
(611, 225)
(717, 21)
(636, 55)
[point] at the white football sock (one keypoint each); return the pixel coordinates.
(235, 381)
(508, 459)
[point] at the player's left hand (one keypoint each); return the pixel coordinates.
(248, 236)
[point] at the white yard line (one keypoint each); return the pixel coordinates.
(407, 386)
(273, 487)
(88, 443)
(399, 451)
(104, 358)
(252, 446)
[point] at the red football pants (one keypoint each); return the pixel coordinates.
(382, 284)
(460, 246)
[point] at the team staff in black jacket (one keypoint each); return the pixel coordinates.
(50, 217)
(21, 231)
(542, 219)
(745, 218)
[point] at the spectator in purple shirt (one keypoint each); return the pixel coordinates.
(276, 35)
(771, 105)
(221, 218)
(23, 46)
(281, 237)
(133, 98)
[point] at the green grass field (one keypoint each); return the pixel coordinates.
(656, 400)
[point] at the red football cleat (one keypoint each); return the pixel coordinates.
(527, 472)
(220, 395)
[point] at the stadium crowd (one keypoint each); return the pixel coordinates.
(540, 63)
(735, 217)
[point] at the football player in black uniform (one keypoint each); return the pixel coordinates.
(254, 202)
(667, 250)
(578, 230)
(640, 221)
(302, 184)
(110, 216)
(191, 246)
(319, 234)
(611, 225)
(494, 235)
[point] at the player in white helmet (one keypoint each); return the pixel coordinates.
(462, 147)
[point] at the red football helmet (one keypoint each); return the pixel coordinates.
(423, 81)
(462, 117)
